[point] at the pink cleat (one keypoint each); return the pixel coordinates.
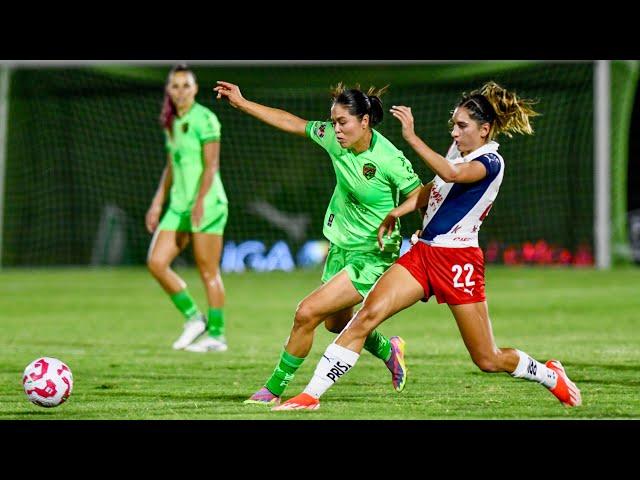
(304, 401)
(263, 397)
(565, 390)
(396, 364)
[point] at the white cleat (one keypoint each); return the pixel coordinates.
(192, 330)
(207, 344)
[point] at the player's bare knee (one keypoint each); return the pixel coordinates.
(305, 316)
(209, 275)
(156, 265)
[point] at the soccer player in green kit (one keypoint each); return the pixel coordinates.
(371, 173)
(197, 211)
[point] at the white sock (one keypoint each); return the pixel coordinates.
(530, 369)
(335, 362)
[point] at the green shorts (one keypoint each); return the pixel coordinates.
(363, 268)
(213, 221)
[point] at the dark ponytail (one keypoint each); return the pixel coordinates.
(359, 103)
(376, 112)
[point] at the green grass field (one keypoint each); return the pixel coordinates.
(114, 328)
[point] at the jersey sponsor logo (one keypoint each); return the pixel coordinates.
(369, 170)
(461, 239)
(436, 195)
(185, 127)
(338, 370)
(455, 229)
(469, 290)
(330, 220)
(320, 130)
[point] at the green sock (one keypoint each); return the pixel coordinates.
(378, 345)
(185, 303)
(215, 325)
(284, 373)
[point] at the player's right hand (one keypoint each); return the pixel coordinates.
(386, 227)
(152, 218)
(229, 91)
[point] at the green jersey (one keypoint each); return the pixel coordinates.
(185, 145)
(368, 187)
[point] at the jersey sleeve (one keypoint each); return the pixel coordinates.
(323, 134)
(491, 162)
(208, 128)
(401, 174)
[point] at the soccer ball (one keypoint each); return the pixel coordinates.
(47, 382)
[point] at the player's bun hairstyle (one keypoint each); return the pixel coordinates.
(168, 112)
(359, 103)
(501, 108)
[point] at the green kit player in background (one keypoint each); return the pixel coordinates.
(371, 173)
(197, 210)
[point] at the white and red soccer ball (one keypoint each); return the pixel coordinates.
(47, 382)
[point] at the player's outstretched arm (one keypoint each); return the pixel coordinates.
(272, 116)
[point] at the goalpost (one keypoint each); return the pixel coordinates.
(602, 165)
(4, 119)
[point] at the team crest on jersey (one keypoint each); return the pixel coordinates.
(369, 170)
(320, 130)
(185, 127)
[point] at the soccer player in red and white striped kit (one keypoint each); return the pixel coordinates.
(446, 261)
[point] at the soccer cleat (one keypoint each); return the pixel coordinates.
(263, 397)
(396, 364)
(304, 401)
(208, 344)
(192, 330)
(565, 390)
